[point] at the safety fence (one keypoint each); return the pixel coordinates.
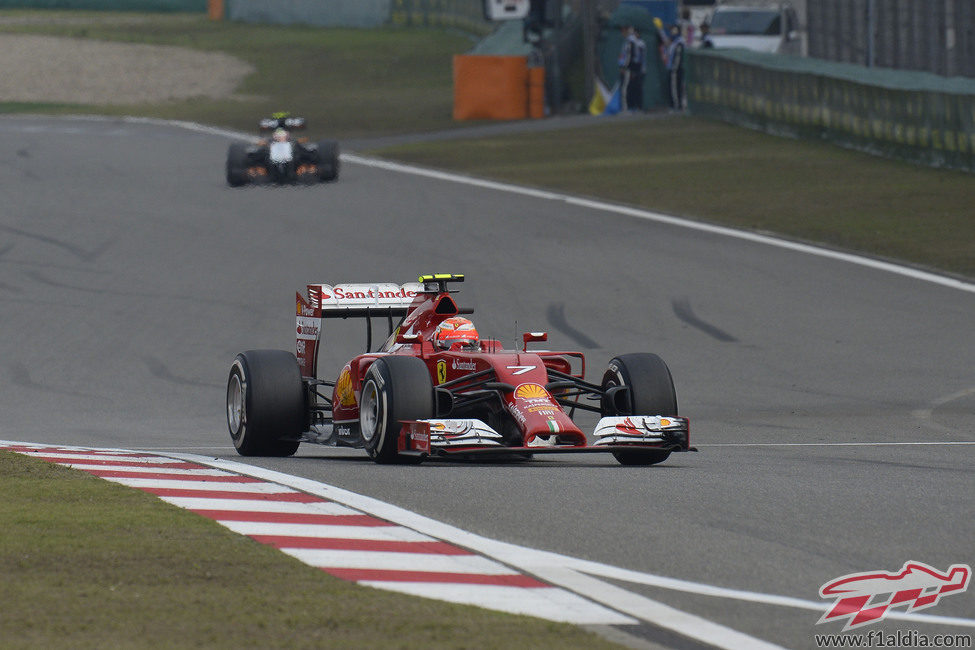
(914, 116)
(466, 15)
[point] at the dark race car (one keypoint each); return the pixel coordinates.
(282, 157)
(434, 388)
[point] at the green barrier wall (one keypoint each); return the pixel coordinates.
(914, 116)
(109, 5)
(466, 15)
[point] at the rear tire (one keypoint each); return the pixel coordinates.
(328, 160)
(237, 164)
(651, 392)
(394, 388)
(265, 403)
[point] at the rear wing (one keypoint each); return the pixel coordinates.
(347, 301)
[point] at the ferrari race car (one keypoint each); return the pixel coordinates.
(282, 158)
(434, 389)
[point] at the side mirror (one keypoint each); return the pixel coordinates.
(406, 339)
(533, 337)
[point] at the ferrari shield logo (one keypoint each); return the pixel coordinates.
(441, 371)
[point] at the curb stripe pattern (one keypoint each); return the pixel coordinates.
(335, 538)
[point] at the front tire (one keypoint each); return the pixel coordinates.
(265, 403)
(394, 388)
(328, 160)
(237, 164)
(651, 392)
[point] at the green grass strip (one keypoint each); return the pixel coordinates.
(810, 191)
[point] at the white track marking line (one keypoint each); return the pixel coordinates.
(62, 457)
(657, 217)
(252, 505)
(665, 616)
(393, 561)
(203, 485)
(550, 603)
(601, 206)
(381, 533)
(552, 567)
(926, 415)
(530, 560)
(134, 469)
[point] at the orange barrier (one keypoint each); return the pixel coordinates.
(497, 88)
(536, 93)
(215, 9)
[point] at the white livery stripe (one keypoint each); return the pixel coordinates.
(245, 505)
(391, 533)
(549, 603)
(379, 560)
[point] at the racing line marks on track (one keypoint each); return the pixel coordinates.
(683, 311)
(556, 317)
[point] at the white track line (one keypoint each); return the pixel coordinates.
(601, 206)
(548, 565)
(657, 217)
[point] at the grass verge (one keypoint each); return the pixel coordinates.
(91, 564)
(346, 82)
(719, 173)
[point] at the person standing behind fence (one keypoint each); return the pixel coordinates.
(625, 62)
(638, 70)
(675, 66)
(706, 41)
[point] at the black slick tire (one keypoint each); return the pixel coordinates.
(328, 160)
(395, 388)
(237, 164)
(265, 403)
(651, 392)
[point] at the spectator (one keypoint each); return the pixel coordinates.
(626, 62)
(706, 40)
(675, 66)
(638, 70)
(687, 27)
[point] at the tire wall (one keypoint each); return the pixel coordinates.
(913, 116)
(109, 5)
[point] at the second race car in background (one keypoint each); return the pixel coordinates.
(282, 157)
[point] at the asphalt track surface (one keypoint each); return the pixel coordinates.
(832, 402)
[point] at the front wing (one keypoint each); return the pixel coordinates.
(471, 437)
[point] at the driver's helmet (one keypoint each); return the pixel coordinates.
(280, 135)
(454, 330)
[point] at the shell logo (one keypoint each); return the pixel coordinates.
(531, 391)
(343, 388)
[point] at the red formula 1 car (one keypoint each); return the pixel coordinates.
(435, 389)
